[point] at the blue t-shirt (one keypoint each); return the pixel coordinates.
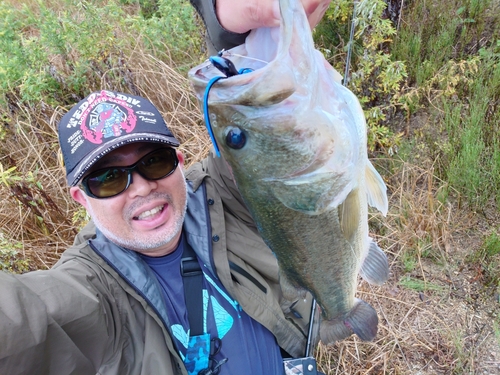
(248, 346)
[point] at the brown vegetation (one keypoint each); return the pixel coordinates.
(38, 212)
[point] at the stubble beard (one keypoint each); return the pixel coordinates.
(146, 243)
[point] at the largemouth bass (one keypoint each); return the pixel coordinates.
(295, 139)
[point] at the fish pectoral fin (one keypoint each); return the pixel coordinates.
(375, 267)
(349, 214)
(376, 189)
(361, 320)
(290, 291)
(312, 194)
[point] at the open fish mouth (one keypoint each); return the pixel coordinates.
(243, 64)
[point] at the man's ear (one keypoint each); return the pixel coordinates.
(180, 157)
(78, 195)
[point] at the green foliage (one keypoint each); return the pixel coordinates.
(375, 77)
(491, 245)
(10, 259)
(57, 55)
(409, 260)
(473, 138)
(496, 329)
(422, 249)
(419, 285)
(149, 8)
(29, 192)
(175, 27)
(487, 258)
(454, 48)
(80, 217)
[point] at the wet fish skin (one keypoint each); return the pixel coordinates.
(303, 170)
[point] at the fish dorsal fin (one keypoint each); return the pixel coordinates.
(376, 189)
(349, 214)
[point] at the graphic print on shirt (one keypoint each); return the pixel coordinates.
(223, 319)
(231, 341)
(217, 322)
(181, 335)
(197, 356)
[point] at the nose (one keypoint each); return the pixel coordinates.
(139, 186)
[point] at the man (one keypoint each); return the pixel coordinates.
(115, 302)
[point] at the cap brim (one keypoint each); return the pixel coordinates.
(88, 161)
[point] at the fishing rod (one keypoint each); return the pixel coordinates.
(349, 44)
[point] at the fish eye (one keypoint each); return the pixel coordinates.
(235, 138)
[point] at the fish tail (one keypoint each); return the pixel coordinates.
(361, 320)
(375, 267)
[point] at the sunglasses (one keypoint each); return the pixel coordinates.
(111, 181)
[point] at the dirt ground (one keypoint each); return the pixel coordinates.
(439, 312)
(447, 329)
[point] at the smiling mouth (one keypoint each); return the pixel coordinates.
(150, 213)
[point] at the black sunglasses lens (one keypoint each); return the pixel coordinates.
(108, 182)
(158, 164)
(105, 183)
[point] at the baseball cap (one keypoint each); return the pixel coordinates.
(104, 121)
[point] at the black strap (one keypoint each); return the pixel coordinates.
(192, 276)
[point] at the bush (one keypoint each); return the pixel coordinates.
(375, 78)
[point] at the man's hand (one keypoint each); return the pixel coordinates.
(240, 16)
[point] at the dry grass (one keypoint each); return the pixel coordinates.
(40, 216)
(442, 323)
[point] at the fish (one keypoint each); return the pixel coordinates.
(295, 140)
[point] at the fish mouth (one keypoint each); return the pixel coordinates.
(203, 73)
(317, 164)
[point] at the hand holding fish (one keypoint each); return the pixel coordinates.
(240, 16)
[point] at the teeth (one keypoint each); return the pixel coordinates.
(149, 213)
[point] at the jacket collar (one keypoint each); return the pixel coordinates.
(129, 265)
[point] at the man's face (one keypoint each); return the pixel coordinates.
(148, 216)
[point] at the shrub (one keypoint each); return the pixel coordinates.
(375, 78)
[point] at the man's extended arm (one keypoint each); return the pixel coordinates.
(53, 322)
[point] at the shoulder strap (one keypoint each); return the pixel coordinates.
(192, 277)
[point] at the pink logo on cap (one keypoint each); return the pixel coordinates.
(107, 117)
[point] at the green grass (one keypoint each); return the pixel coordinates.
(420, 285)
(454, 50)
(487, 260)
(10, 260)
